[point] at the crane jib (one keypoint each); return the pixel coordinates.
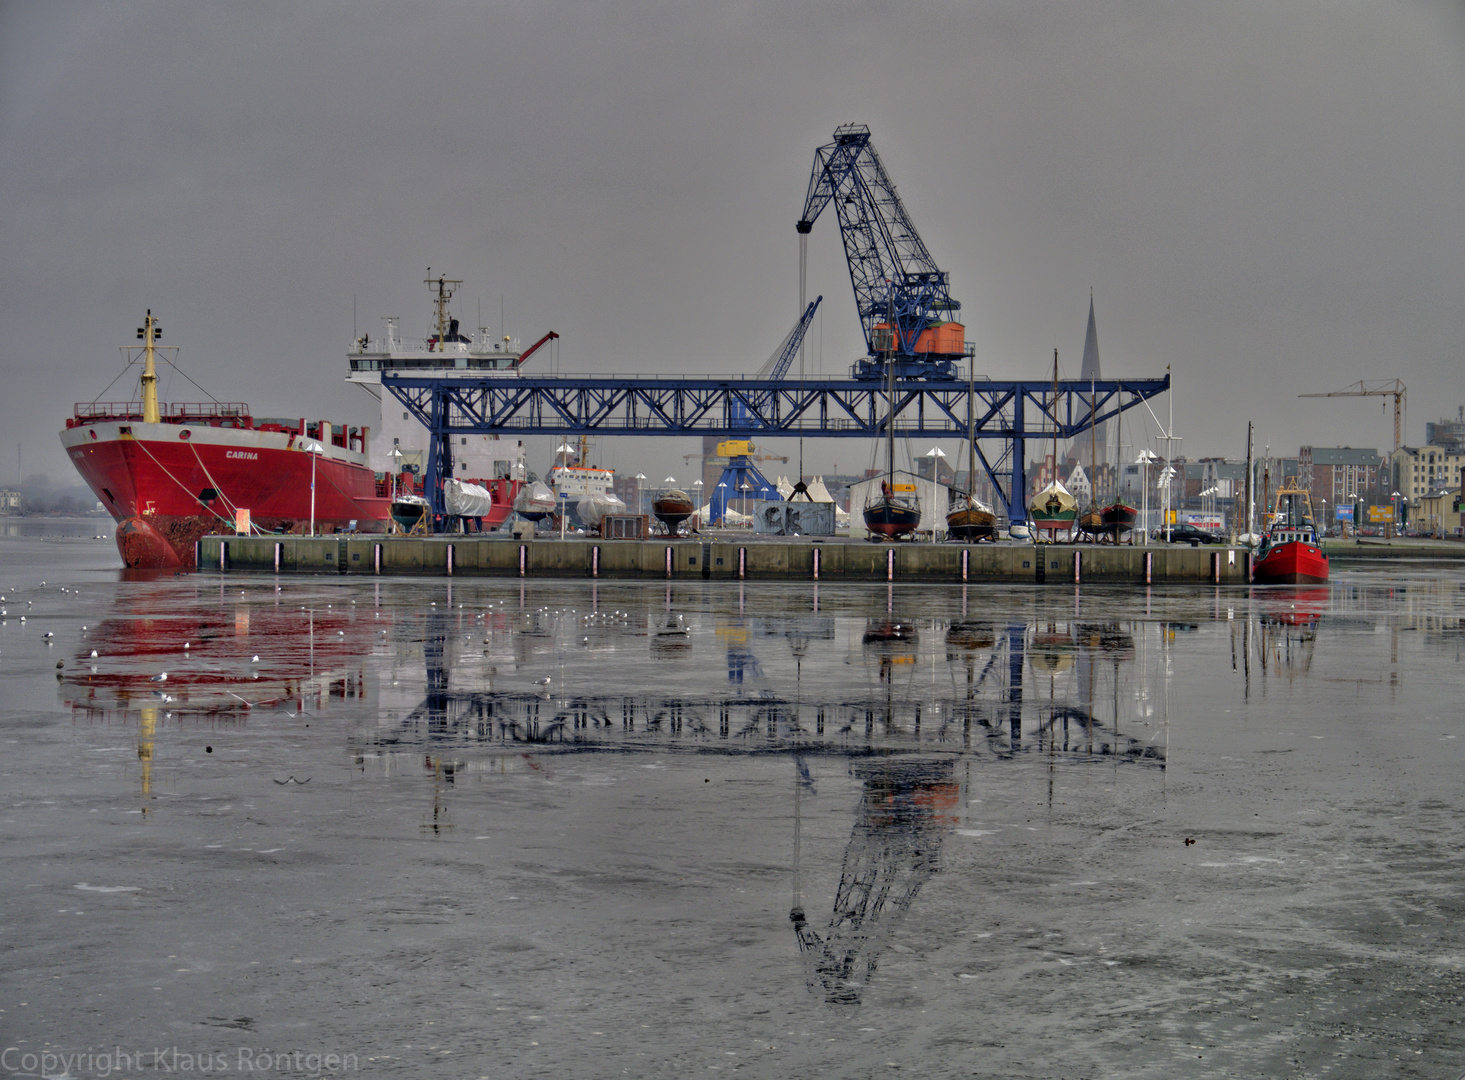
(903, 298)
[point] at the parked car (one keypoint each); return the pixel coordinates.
(1186, 533)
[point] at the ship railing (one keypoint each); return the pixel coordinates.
(207, 410)
(108, 410)
(171, 413)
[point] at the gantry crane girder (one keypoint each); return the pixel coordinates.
(1393, 388)
(1007, 413)
(894, 277)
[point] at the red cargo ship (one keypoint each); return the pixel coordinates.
(1289, 553)
(169, 474)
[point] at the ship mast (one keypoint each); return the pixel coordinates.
(150, 332)
(445, 288)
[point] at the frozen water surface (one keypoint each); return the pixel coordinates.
(561, 829)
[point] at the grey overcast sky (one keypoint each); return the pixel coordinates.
(1269, 197)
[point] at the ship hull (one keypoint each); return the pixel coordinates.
(1118, 517)
(972, 524)
(1292, 563)
(167, 484)
(1052, 525)
(672, 509)
(893, 519)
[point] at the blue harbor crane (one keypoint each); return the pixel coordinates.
(900, 292)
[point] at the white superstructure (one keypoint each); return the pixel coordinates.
(399, 441)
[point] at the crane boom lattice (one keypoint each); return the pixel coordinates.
(1393, 388)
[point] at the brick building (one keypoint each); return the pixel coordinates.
(1342, 474)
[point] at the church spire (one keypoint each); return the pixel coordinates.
(1089, 370)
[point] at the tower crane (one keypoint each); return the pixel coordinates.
(902, 297)
(1393, 388)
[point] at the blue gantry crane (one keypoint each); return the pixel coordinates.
(906, 309)
(903, 298)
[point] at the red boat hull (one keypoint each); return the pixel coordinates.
(892, 519)
(1294, 563)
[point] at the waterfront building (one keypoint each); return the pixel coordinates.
(1342, 474)
(1419, 471)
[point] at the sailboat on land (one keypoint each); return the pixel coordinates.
(896, 510)
(971, 519)
(1053, 509)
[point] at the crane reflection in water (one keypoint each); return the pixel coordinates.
(480, 690)
(907, 808)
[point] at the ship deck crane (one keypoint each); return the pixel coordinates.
(903, 298)
(1377, 388)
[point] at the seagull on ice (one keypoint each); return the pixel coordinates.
(542, 682)
(254, 659)
(94, 654)
(163, 677)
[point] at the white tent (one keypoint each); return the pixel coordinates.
(818, 492)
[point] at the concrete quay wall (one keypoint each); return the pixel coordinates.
(721, 559)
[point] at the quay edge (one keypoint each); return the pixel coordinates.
(721, 559)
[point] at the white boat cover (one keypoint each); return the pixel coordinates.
(462, 499)
(594, 507)
(535, 498)
(1055, 490)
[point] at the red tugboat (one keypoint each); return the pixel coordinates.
(169, 474)
(1289, 553)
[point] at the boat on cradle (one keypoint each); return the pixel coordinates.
(410, 512)
(169, 473)
(1118, 518)
(1289, 553)
(1090, 523)
(896, 510)
(401, 447)
(1053, 509)
(593, 509)
(971, 519)
(535, 501)
(672, 507)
